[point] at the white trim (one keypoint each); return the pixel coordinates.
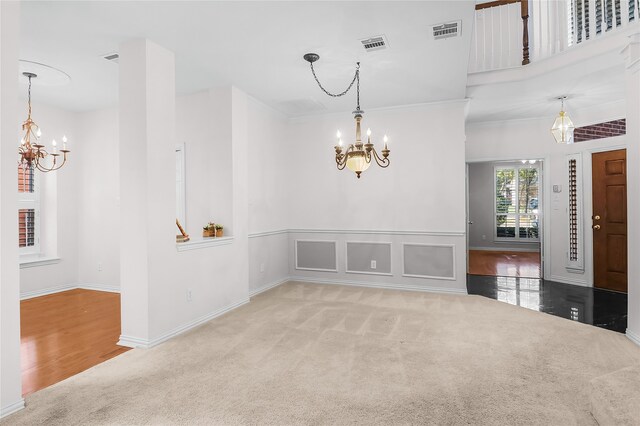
(565, 280)
(12, 408)
(346, 258)
(518, 249)
(204, 243)
(266, 287)
(46, 291)
(135, 342)
(428, 289)
(295, 249)
(453, 254)
(379, 232)
(268, 233)
(181, 195)
(99, 287)
(635, 338)
(66, 287)
(32, 262)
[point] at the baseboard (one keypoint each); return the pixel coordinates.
(267, 286)
(135, 342)
(99, 287)
(565, 280)
(635, 338)
(387, 286)
(66, 287)
(46, 291)
(10, 409)
(520, 249)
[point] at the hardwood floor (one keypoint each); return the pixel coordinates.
(65, 333)
(504, 263)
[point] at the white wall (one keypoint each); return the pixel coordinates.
(59, 203)
(419, 198)
(269, 196)
(532, 139)
(98, 211)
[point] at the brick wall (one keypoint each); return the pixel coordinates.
(600, 130)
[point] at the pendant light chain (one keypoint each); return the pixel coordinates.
(29, 96)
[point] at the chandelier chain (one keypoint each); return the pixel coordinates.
(356, 77)
(29, 96)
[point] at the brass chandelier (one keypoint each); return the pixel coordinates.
(33, 155)
(358, 156)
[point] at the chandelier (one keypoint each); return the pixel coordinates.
(562, 129)
(358, 156)
(33, 154)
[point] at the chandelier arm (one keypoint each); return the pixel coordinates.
(356, 77)
(380, 161)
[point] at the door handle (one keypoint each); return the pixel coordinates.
(596, 227)
(596, 217)
(470, 222)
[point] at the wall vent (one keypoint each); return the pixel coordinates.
(113, 57)
(374, 43)
(447, 30)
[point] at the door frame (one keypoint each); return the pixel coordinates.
(545, 195)
(587, 171)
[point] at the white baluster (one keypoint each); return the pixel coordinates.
(592, 19)
(624, 10)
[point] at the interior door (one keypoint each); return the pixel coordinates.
(610, 219)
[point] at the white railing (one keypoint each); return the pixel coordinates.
(504, 28)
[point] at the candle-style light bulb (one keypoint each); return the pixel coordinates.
(338, 134)
(368, 135)
(64, 142)
(340, 142)
(38, 133)
(54, 144)
(385, 140)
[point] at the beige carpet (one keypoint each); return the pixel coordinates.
(320, 354)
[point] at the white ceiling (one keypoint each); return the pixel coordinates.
(257, 46)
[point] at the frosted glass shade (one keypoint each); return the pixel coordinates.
(357, 161)
(562, 129)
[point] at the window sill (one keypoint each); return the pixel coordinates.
(203, 243)
(35, 261)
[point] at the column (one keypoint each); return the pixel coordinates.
(632, 77)
(147, 184)
(10, 377)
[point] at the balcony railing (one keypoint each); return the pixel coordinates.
(510, 33)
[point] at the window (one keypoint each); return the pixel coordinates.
(517, 203)
(28, 211)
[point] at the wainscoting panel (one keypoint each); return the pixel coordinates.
(429, 261)
(360, 256)
(315, 255)
(435, 261)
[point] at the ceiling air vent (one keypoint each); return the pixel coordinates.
(113, 57)
(374, 43)
(447, 30)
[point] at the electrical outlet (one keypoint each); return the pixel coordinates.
(373, 264)
(262, 267)
(99, 266)
(189, 298)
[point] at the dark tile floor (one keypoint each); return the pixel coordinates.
(602, 308)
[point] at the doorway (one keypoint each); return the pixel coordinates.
(504, 211)
(609, 180)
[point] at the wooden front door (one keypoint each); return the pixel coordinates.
(610, 220)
